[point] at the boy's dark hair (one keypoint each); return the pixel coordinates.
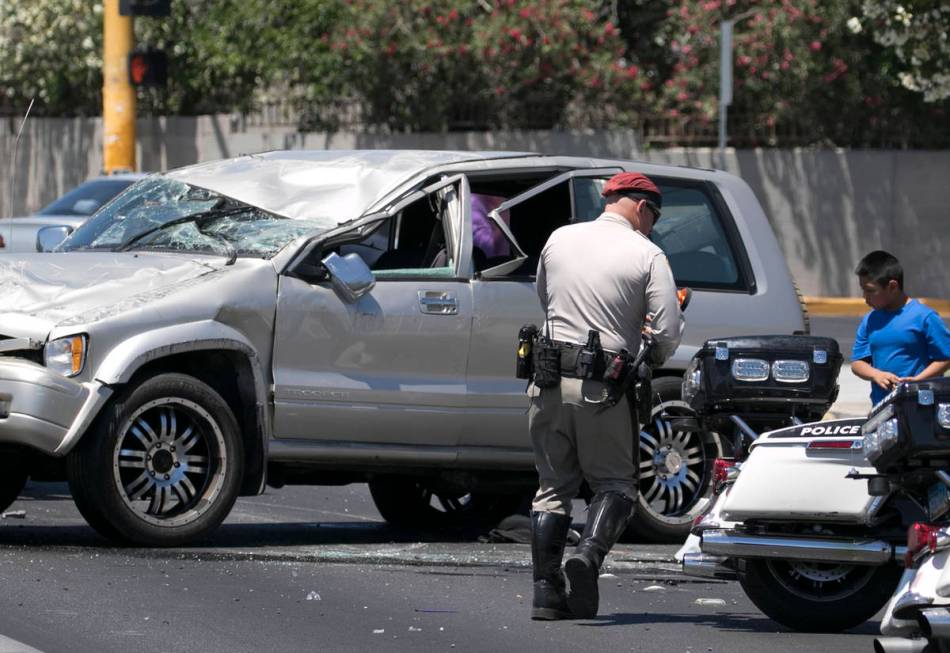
(880, 267)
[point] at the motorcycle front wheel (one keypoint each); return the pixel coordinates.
(818, 597)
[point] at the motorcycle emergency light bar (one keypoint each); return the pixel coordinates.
(790, 371)
(750, 369)
(920, 536)
(943, 415)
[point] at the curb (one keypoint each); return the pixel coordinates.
(855, 306)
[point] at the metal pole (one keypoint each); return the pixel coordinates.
(725, 85)
(118, 95)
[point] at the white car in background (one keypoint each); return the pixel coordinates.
(69, 211)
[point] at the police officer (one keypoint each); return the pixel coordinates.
(604, 276)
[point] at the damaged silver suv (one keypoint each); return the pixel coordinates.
(328, 317)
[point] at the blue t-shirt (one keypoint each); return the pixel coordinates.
(902, 342)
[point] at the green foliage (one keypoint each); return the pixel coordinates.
(430, 65)
(918, 32)
(51, 50)
(843, 72)
(797, 63)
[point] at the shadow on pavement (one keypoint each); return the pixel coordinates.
(720, 621)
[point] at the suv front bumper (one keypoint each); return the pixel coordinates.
(42, 409)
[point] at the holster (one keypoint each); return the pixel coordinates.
(546, 357)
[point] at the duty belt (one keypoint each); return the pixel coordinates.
(574, 366)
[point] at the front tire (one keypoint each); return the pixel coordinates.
(814, 597)
(675, 470)
(13, 474)
(163, 465)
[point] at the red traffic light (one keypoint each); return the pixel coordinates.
(148, 68)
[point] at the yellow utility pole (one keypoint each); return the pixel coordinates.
(118, 95)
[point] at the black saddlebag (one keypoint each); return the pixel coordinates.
(910, 427)
(764, 378)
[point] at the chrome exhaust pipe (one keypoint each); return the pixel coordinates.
(735, 545)
(899, 645)
(935, 622)
(707, 566)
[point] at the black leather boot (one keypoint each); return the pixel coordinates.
(548, 534)
(607, 518)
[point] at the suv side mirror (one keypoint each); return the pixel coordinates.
(350, 276)
(47, 238)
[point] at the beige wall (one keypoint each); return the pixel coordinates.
(828, 207)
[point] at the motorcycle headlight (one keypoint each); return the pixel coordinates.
(750, 369)
(943, 415)
(692, 380)
(66, 355)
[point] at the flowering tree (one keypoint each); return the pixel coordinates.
(51, 50)
(425, 65)
(918, 31)
(796, 63)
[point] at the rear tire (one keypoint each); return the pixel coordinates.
(671, 497)
(162, 466)
(13, 474)
(821, 598)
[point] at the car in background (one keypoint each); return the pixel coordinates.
(69, 211)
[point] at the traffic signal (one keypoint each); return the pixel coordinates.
(145, 7)
(148, 67)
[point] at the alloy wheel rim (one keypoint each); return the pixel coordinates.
(673, 474)
(169, 464)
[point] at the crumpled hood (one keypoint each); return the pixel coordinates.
(40, 291)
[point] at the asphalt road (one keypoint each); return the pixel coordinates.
(306, 569)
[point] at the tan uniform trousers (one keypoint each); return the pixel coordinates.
(575, 439)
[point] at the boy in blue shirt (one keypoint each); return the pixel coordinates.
(900, 339)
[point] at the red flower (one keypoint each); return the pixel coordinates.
(632, 71)
(453, 14)
(815, 46)
(514, 33)
(525, 12)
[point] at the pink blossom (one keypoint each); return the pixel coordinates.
(525, 12)
(682, 96)
(453, 14)
(744, 60)
(632, 71)
(815, 46)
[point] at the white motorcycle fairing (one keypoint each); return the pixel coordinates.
(799, 474)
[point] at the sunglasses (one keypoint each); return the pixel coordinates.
(636, 197)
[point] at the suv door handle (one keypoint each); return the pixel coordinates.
(438, 302)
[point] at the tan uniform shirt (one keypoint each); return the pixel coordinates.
(607, 276)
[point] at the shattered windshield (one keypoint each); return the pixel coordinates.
(154, 214)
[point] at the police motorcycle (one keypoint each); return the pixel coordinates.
(907, 440)
(812, 549)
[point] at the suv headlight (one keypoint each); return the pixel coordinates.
(884, 437)
(750, 369)
(692, 380)
(66, 356)
(943, 415)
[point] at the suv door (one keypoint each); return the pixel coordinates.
(504, 300)
(389, 368)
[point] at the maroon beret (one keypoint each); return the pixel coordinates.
(633, 182)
